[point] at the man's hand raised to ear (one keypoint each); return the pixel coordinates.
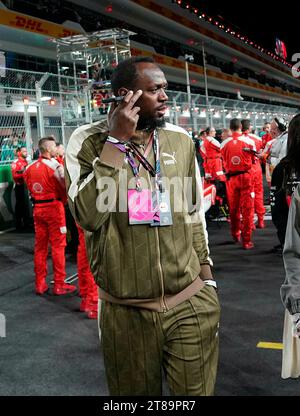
(124, 116)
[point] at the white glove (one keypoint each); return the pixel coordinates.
(296, 325)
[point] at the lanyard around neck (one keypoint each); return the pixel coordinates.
(132, 151)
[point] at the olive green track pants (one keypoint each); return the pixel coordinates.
(139, 344)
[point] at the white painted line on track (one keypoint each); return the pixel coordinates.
(6, 231)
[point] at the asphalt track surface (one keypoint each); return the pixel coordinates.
(53, 349)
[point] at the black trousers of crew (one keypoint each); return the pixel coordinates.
(279, 218)
(138, 345)
(21, 208)
(279, 205)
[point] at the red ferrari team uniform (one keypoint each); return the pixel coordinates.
(213, 159)
(239, 186)
(259, 208)
(265, 139)
(87, 287)
(60, 160)
(49, 224)
(18, 168)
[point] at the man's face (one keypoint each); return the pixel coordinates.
(151, 80)
(212, 132)
(60, 150)
(267, 128)
(225, 134)
(274, 130)
(52, 149)
(23, 152)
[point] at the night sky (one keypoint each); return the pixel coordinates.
(261, 21)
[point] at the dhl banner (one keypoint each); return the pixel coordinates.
(33, 24)
(163, 11)
(176, 63)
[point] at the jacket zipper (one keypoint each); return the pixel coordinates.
(164, 306)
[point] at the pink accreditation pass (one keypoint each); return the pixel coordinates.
(142, 207)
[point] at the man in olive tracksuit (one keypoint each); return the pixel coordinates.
(157, 312)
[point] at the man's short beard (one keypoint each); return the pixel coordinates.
(150, 123)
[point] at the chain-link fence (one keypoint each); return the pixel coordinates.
(217, 112)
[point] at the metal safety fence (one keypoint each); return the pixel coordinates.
(34, 105)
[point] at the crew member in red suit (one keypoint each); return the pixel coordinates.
(267, 141)
(18, 168)
(259, 208)
(87, 286)
(239, 186)
(202, 150)
(60, 155)
(46, 184)
(213, 165)
(266, 137)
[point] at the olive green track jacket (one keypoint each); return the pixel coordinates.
(136, 261)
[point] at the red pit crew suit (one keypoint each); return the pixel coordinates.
(49, 223)
(265, 139)
(87, 287)
(60, 160)
(18, 168)
(259, 208)
(202, 152)
(21, 210)
(239, 186)
(213, 162)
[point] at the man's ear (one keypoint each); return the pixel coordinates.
(123, 91)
